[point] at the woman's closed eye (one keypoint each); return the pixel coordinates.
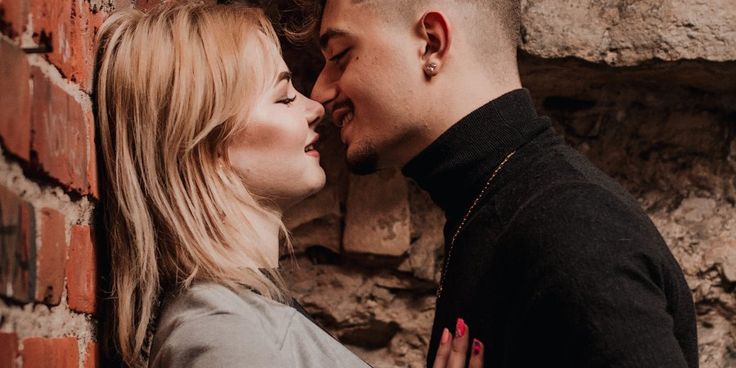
(287, 101)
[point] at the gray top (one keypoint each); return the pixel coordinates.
(210, 325)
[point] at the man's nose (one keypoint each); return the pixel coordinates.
(315, 112)
(324, 90)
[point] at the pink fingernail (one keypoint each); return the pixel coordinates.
(445, 336)
(477, 347)
(460, 328)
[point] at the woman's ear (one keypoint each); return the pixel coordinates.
(434, 28)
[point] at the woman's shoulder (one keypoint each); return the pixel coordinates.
(205, 297)
(204, 301)
(211, 321)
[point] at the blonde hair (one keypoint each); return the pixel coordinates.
(173, 89)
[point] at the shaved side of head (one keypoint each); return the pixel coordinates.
(492, 25)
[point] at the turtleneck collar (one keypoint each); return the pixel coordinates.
(454, 168)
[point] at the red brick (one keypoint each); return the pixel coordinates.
(51, 259)
(17, 246)
(91, 157)
(81, 268)
(41, 352)
(8, 349)
(92, 21)
(15, 104)
(51, 23)
(13, 17)
(60, 133)
(92, 358)
(146, 4)
(70, 27)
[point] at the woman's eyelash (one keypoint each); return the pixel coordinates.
(288, 100)
(339, 56)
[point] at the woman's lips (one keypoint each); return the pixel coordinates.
(313, 153)
(311, 148)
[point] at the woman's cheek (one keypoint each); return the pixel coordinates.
(281, 131)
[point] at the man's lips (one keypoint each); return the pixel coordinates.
(340, 109)
(344, 134)
(339, 114)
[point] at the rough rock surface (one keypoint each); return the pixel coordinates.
(630, 32)
(377, 214)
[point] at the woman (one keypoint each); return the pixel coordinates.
(205, 142)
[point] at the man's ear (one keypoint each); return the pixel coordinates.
(434, 28)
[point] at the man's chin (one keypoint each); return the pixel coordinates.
(362, 167)
(363, 161)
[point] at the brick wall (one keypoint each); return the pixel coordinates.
(48, 278)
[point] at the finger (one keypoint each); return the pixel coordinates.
(459, 351)
(476, 354)
(443, 352)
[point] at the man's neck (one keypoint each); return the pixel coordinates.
(455, 167)
(456, 102)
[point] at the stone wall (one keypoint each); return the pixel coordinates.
(645, 89)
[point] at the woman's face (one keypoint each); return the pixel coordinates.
(275, 153)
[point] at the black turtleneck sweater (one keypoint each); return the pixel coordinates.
(557, 266)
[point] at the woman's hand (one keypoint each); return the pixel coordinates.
(453, 350)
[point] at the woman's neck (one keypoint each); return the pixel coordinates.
(267, 234)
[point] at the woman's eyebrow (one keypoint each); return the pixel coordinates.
(283, 76)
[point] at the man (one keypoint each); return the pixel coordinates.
(549, 261)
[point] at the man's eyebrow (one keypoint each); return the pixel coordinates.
(285, 75)
(324, 39)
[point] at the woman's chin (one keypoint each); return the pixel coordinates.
(315, 187)
(317, 182)
(306, 191)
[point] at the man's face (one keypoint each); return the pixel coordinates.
(369, 84)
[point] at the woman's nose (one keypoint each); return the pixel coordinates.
(316, 112)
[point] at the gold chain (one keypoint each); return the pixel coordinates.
(465, 219)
